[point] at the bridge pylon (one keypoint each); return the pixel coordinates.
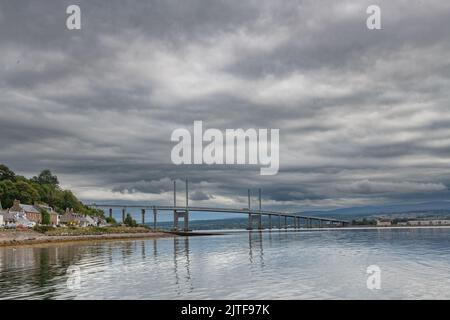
(180, 213)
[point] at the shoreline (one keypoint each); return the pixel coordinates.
(29, 238)
(32, 238)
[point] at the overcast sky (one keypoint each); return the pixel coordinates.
(363, 114)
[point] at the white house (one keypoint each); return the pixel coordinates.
(429, 222)
(384, 222)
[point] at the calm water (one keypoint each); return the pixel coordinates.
(415, 263)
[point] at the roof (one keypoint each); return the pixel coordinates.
(25, 207)
(29, 208)
(68, 217)
(8, 216)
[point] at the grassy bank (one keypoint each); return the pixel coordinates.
(74, 231)
(31, 237)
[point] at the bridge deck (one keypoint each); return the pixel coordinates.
(221, 210)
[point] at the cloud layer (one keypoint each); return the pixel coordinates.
(363, 115)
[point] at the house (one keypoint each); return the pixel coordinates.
(13, 220)
(429, 222)
(90, 221)
(100, 222)
(2, 212)
(27, 211)
(32, 213)
(70, 217)
(54, 216)
(384, 222)
(8, 218)
(86, 221)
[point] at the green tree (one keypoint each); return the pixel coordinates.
(111, 220)
(44, 188)
(8, 193)
(66, 199)
(6, 173)
(45, 217)
(47, 193)
(129, 221)
(26, 193)
(46, 177)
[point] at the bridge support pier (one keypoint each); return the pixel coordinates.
(123, 215)
(251, 218)
(186, 220)
(155, 212)
(270, 221)
(279, 222)
(177, 214)
(285, 222)
(143, 215)
(175, 220)
(110, 212)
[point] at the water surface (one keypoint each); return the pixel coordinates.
(415, 264)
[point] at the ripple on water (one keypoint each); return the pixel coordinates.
(269, 265)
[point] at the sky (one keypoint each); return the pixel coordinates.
(363, 114)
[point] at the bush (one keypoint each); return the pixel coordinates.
(42, 229)
(111, 220)
(45, 217)
(129, 221)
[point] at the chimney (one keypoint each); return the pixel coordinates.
(16, 205)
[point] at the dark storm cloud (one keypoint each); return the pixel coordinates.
(363, 115)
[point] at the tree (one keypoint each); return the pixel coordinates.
(26, 193)
(46, 177)
(8, 193)
(111, 220)
(44, 188)
(129, 221)
(47, 193)
(6, 173)
(45, 217)
(67, 199)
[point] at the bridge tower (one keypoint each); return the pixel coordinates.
(180, 213)
(254, 216)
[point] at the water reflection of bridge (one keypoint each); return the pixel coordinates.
(41, 272)
(297, 220)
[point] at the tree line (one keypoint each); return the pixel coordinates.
(43, 188)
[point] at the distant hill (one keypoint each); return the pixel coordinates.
(383, 209)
